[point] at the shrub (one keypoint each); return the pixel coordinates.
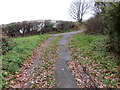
(28, 28)
(95, 25)
(5, 45)
(112, 18)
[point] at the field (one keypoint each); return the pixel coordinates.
(22, 48)
(89, 50)
(101, 64)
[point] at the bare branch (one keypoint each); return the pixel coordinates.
(78, 9)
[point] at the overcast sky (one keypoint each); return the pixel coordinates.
(20, 10)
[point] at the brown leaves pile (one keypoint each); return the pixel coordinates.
(81, 73)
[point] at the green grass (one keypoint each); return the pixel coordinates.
(21, 50)
(101, 63)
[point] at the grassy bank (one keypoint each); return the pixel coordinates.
(101, 64)
(21, 51)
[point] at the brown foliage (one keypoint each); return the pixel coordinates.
(95, 25)
(5, 43)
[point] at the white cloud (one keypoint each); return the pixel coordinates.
(20, 10)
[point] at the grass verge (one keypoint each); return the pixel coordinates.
(21, 51)
(102, 65)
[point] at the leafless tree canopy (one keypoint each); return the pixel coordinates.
(78, 9)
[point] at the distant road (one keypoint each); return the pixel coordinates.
(67, 33)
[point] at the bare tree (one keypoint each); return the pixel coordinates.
(78, 9)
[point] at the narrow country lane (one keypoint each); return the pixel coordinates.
(64, 77)
(39, 71)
